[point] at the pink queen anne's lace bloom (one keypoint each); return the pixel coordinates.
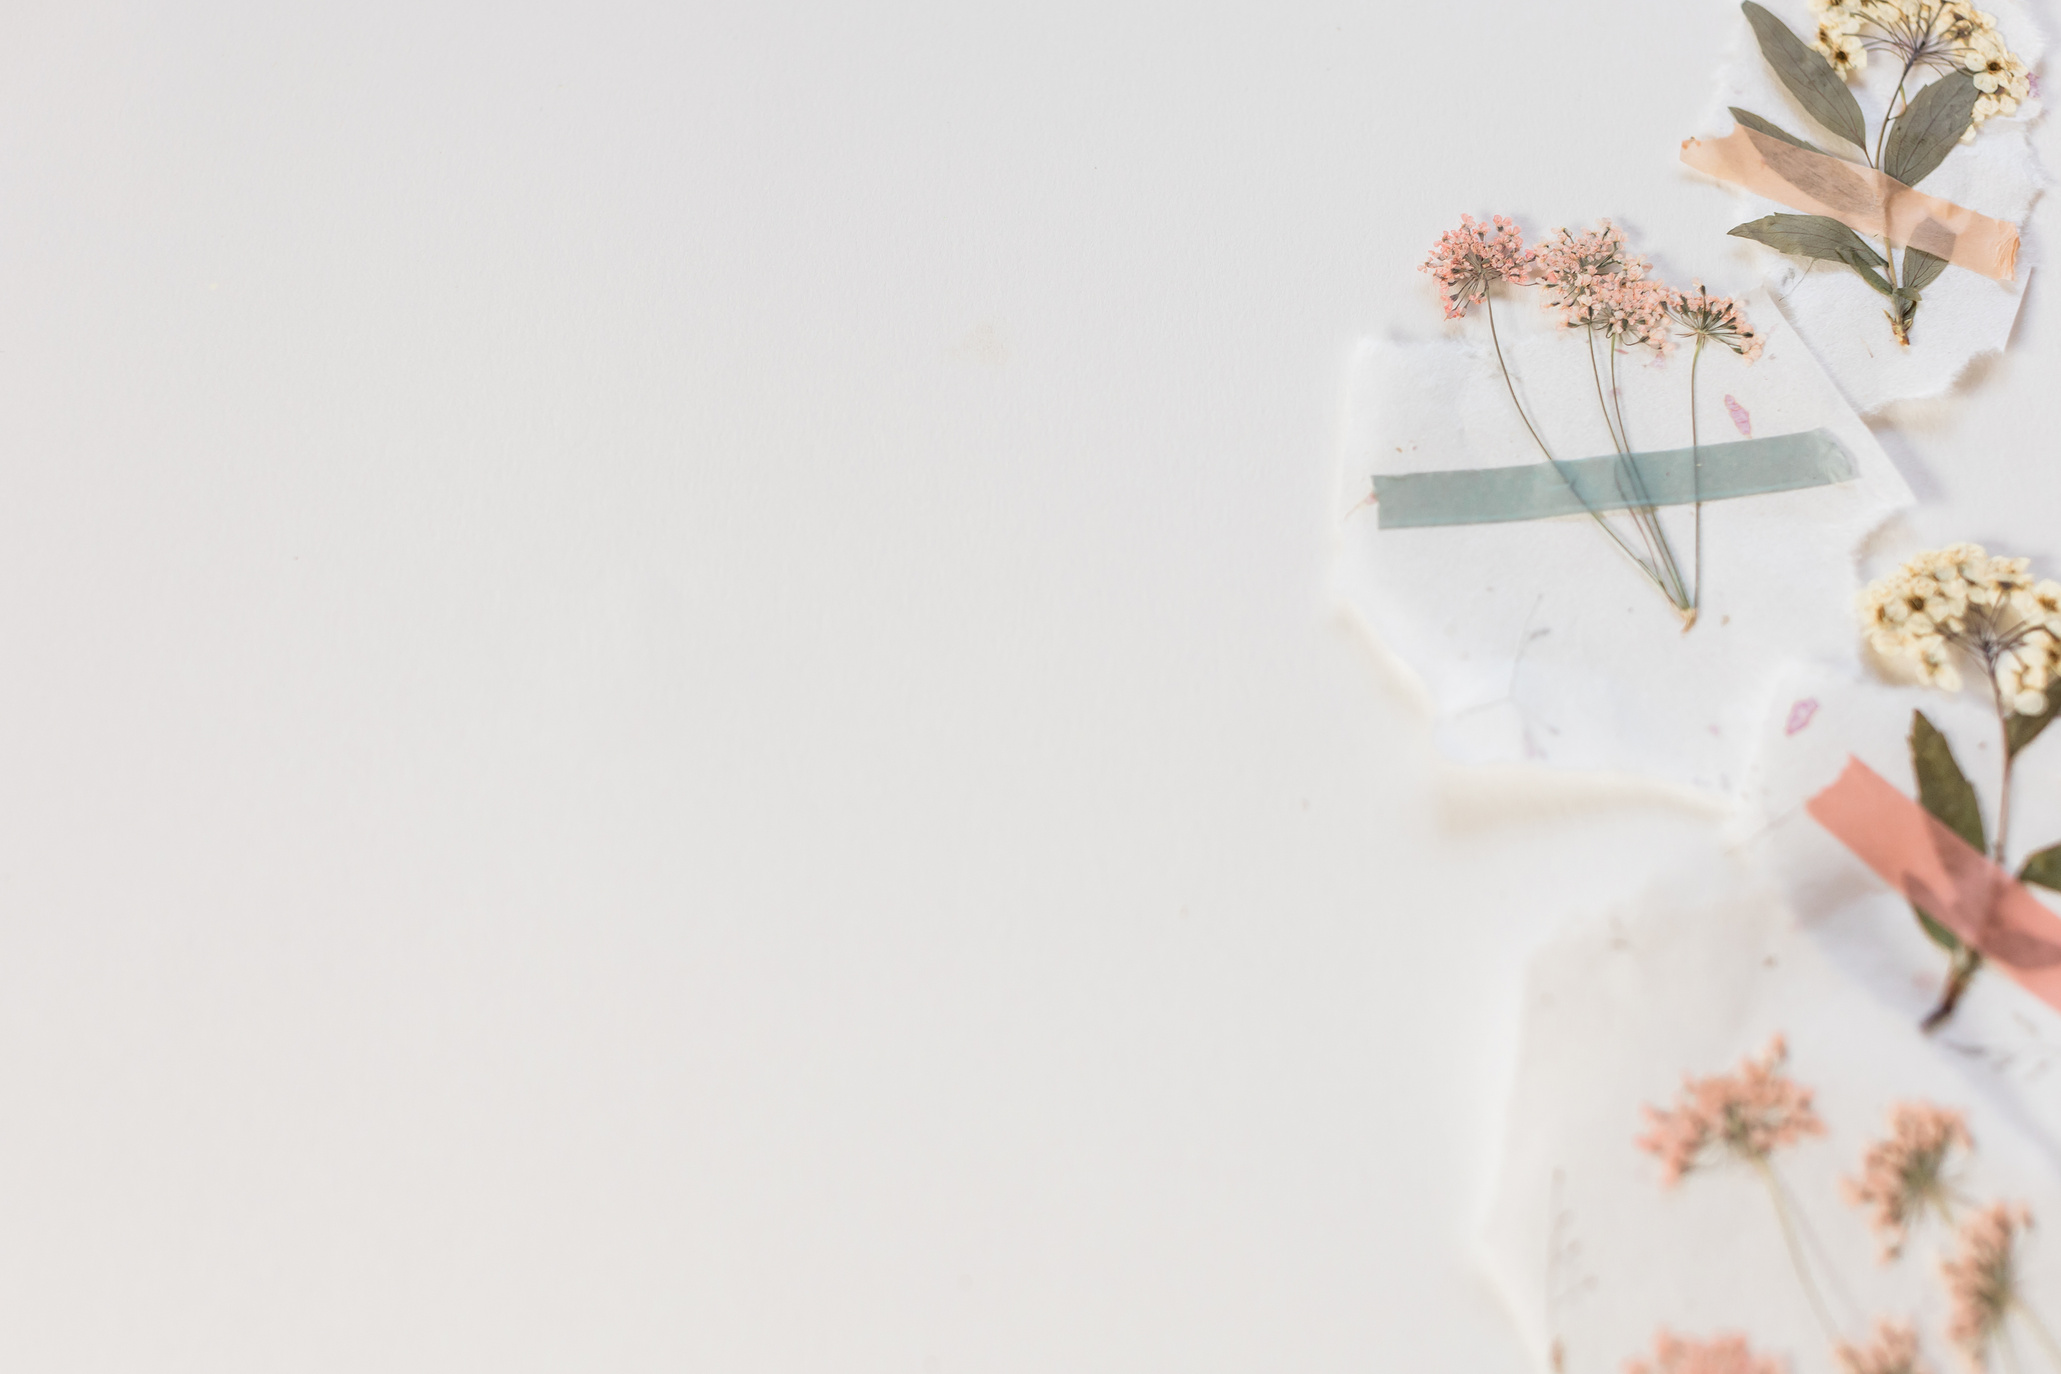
(1982, 1277)
(1904, 1175)
(1894, 1350)
(1467, 261)
(1749, 1114)
(1719, 1355)
(1598, 284)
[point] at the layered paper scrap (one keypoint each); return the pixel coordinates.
(1964, 315)
(2006, 1041)
(1593, 1253)
(1538, 640)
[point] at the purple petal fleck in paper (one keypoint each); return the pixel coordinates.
(1739, 416)
(1800, 714)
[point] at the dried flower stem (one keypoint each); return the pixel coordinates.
(2039, 1330)
(1696, 477)
(1797, 1259)
(1489, 305)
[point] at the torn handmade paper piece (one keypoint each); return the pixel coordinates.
(1593, 1254)
(1965, 314)
(1538, 639)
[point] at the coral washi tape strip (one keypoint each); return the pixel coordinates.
(1668, 477)
(1942, 873)
(1863, 199)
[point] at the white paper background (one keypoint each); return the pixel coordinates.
(1963, 315)
(1537, 640)
(672, 699)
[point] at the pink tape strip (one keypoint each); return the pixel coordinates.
(1938, 870)
(1861, 198)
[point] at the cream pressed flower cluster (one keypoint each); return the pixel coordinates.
(1961, 599)
(1941, 35)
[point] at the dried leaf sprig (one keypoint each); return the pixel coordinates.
(1960, 605)
(1596, 284)
(1975, 77)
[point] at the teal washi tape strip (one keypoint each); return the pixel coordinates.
(1665, 477)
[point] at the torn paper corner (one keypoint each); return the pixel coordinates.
(1964, 315)
(1536, 640)
(1593, 1253)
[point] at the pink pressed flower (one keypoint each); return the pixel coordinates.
(1905, 1173)
(1750, 1114)
(1598, 284)
(1720, 319)
(1718, 1355)
(1468, 260)
(1982, 1277)
(1894, 1350)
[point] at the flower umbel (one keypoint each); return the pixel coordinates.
(1748, 1114)
(1982, 1276)
(1893, 1350)
(1903, 1176)
(1467, 261)
(1598, 284)
(1961, 600)
(1715, 319)
(1727, 1354)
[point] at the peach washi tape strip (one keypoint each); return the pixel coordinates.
(1863, 199)
(1942, 873)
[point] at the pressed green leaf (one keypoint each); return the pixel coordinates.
(1808, 76)
(1943, 789)
(1921, 269)
(2020, 731)
(1929, 127)
(1937, 933)
(2043, 868)
(1754, 121)
(1820, 237)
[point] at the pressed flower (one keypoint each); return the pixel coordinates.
(1725, 1354)
(1748, 1114)
(1893, 1349)
(1959, 601)
(1904, 1175)
(1715, 319)
(1467, 261)
(1982, 1277)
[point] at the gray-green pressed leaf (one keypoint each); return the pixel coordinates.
(1820, 237)
(1921, 269)
(2020, 731)
(1754, 121)
(2043, 868)
(1930, 127)
(1943, 789)
(1937, 933)
(1808, 76)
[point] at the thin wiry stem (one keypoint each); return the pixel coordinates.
(1645, 515)
(1597, 372)
(1796, 1255)
(2039, 1331)
(1488, 299)
(1696, 475)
